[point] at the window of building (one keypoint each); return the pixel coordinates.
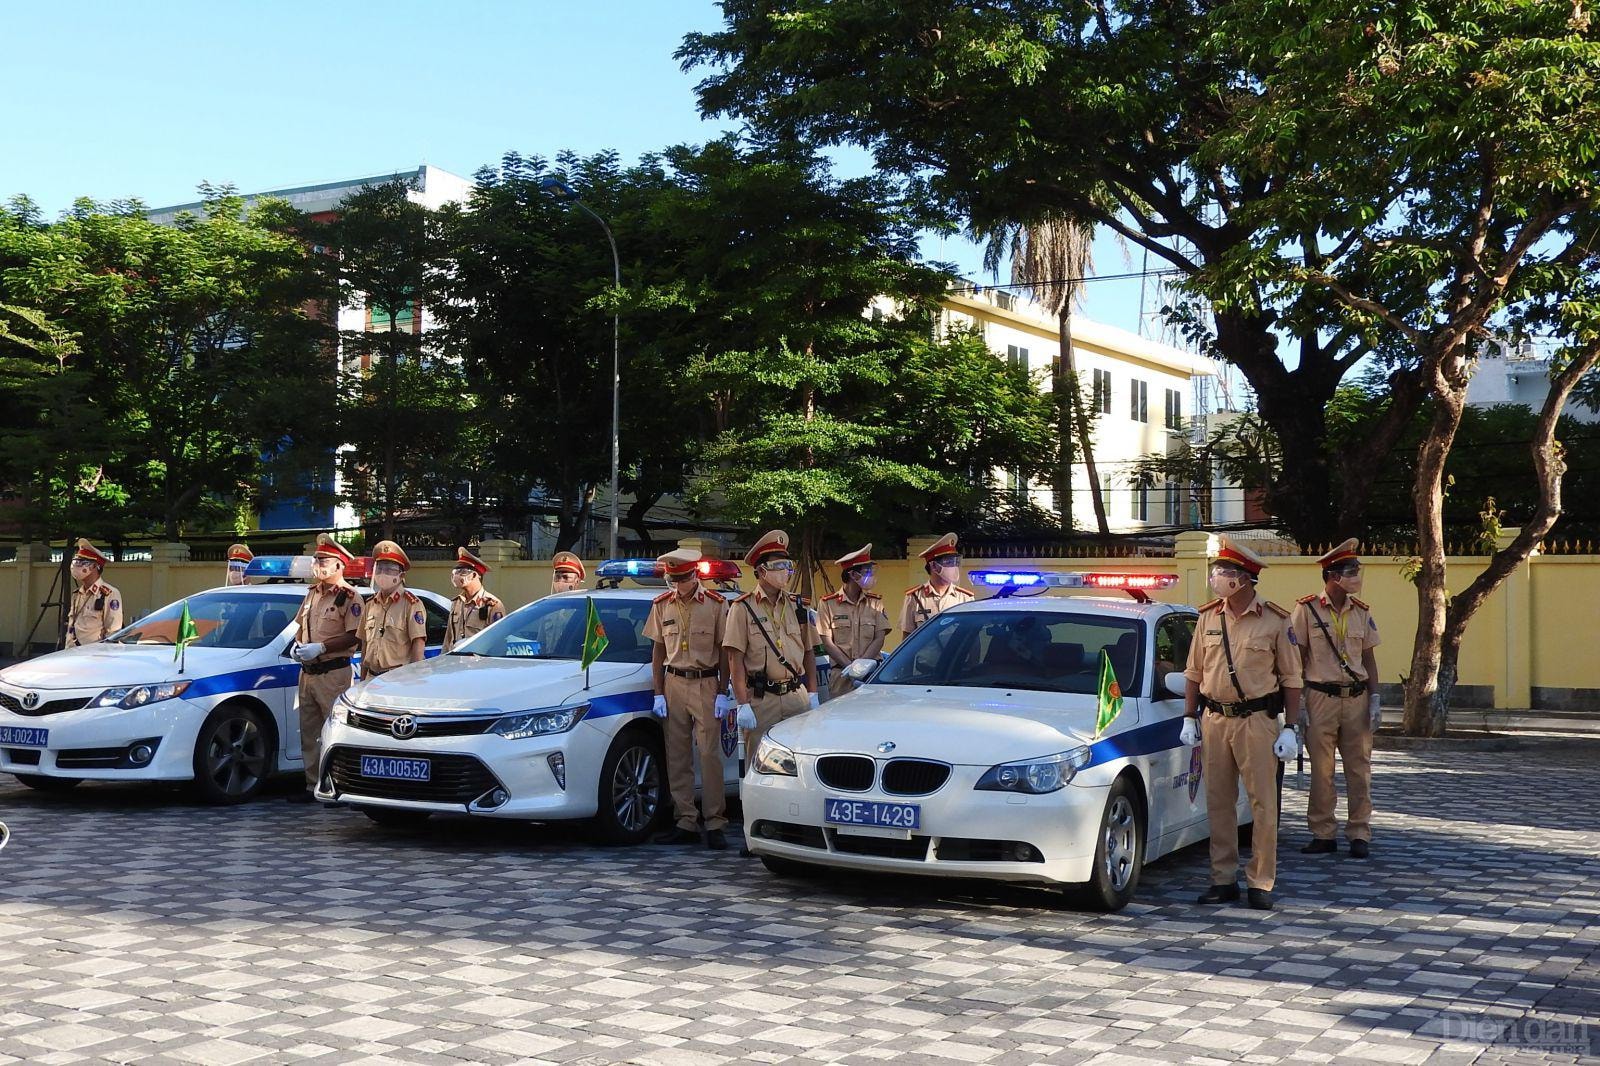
(1174, 409)
(1141, 504)
(1102, 391)
(1140, 394)
(1017, 357)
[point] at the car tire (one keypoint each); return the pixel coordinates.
(1119, 852)
(393, 818)
(790, 868)
(41, 783)
(233, 755)
(633, 800)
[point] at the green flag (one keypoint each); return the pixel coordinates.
(187, 632)
(594, 636)
(1110, 696)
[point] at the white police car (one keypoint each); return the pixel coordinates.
(509, 725)
(122, 710)
(971, 752)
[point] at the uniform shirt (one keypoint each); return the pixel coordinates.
(1352, 629)
(322, 617)
(95, 614)
(1265, 657)
(471, 614)
(852, 626)
(392, 623)
(922, 603)
(690, 631)
(791, 634)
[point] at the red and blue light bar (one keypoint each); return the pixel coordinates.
(1004, 583)
(650, 571)
(298, 568)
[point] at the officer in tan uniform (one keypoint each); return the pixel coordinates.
(852, 621)
(1243, 671)
(1336, 635)
(566, 572)
(687, 669)
(771, 638)
(475, 608)
(395, 629)
(326, 634)
(96, 608)
(940, 591)
(239, 556)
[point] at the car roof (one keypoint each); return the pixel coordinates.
(297, 588)
(622, 594)
(1113, 606)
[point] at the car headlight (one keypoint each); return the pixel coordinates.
(343, 708)
(774, 759)
(539, 723)
(140, 695)
(1035, 776)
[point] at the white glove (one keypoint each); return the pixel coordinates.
(815, 701)
(1189, 735)
(747, 716)
(659, 707)
(724, 705)
(306, 652)
(1287, 746)
(1374, 712)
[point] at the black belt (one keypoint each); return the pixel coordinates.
(1342, 691)
(761, 685)
(692, 675)
(1269, 704)
(325, 666)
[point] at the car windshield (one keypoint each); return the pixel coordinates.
(222, 619)
(553, 628)
(1042, 650)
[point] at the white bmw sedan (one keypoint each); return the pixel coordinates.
(509, 725)
(972, 751)
(126, 709)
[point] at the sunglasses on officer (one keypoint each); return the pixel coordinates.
(856, 573)
(778, 565)
(1228, 570)
(463, 570)
(947, 560)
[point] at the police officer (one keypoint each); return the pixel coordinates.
(396, 627)
(771, 639)
(475, 607)
(566, 572)
(1243, 671)
(239, 556)
(325, 633)
(940, 591)
(852, 621)
(1336, 635)
(96, 608)
(688, 671)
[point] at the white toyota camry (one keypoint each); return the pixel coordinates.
(972, 751)
(126, 709)
(509, 724)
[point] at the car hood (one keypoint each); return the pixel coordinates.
(118, 665)
(454, 683)
(964, 726)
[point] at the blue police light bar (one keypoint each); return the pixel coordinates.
(279, 568)
(1033, 582)
(618, 569)
(650, 571)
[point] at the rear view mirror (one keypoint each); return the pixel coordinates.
(1174, 682)
(860, 669)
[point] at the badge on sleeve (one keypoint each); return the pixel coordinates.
(355, 609)
(417, 618)
(1292, 638)
(496, 616)
(114, 605)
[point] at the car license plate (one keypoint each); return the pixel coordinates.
(21, 736)
(844, 812)
(395, 769)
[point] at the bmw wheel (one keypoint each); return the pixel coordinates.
(232, 755)
(633, 787)
(1119, 853)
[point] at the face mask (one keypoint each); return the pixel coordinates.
(1225, 584)
(866, 580)
(458, 579)
(386, 583)
(1351, 583)
(325, 570)
(776, 580)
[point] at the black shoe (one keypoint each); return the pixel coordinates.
(1260, 899)
(1220, 894)
(716, 840)
(1358, 849)
(1318, 846)
(679, 836)
(303, 796)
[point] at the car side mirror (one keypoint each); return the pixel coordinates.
(860, 669)
(1173, 684)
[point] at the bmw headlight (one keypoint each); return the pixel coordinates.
(539, 723)
(774, 759)
(140, 695)
(1035, 776)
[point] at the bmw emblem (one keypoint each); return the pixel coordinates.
(404, 727)
(886, 747)
(30, 700)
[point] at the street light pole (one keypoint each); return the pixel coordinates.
(564, 192)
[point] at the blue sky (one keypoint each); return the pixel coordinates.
(112, 100)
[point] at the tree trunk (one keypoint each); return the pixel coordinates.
(1424, 711)
(639, 512)
(1060, 382)
(1069, 364)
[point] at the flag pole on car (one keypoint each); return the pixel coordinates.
(594, 638)
(187, 632)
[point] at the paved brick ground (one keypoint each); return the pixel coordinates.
(134, 927)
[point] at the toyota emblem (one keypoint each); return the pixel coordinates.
(886, 747)
(30, 700)
(404, 727)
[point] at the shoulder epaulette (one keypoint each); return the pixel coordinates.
(741, 599)
(1282, 612)
(1306, 599)
(664, 597)
(715, 595)
(411, 597)
(839, 595)
(1359, 604)
(964, 591)
(1207, 606)
(913, 588)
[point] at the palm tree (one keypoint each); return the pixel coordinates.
(1052, 255)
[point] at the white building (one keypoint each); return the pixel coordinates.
(1517, 375)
